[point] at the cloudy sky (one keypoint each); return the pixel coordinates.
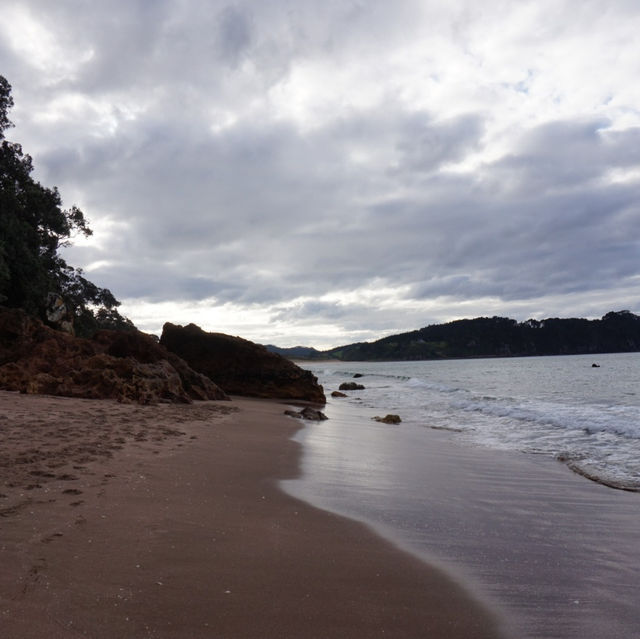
(323, 172)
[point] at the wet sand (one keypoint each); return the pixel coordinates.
(132, 521)
(553, 550)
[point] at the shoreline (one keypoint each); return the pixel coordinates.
(183, 531)
(556, 552)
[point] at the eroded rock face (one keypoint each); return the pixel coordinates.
(239, 366)
(124, 366)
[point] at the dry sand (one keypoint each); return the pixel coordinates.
(133, 521)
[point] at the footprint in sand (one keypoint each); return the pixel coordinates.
(49, 538)
(42, 473)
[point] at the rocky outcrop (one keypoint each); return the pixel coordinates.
(239, 366)
(124, 366)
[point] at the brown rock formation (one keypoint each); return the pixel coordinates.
(124, 366)
(239, 366)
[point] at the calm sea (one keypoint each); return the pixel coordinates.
(486, 476)
(556, 406)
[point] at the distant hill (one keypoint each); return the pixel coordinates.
(616, 332)
(296, 352)
(502, 337)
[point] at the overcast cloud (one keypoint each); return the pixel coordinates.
(326, 172)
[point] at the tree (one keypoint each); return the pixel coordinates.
(6, 102)
(33, 227)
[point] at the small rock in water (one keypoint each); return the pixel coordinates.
(388, 419)
(338, 394)
(307, 413)
(356, 375)
(350, 386)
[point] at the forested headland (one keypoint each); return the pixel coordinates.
(616, 332)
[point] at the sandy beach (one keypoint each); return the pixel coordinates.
(166, 521)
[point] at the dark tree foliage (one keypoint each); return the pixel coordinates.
(33, 227)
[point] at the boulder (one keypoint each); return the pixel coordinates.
(357, 375)
(129, 367)
(338, 394)
(388, 419)
(350, 386)
(241, 367)
(309, 413)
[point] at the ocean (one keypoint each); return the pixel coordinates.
(518, 476)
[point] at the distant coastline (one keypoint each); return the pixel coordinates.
(615, 332)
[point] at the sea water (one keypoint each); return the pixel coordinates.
(488, 475)
(562, 407)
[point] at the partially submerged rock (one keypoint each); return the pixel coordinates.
(350, 386)
(128, 366)
(241, 367)
(307, 413)
(338, 394)
(388, 419)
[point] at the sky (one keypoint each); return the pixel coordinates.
(325, 172)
